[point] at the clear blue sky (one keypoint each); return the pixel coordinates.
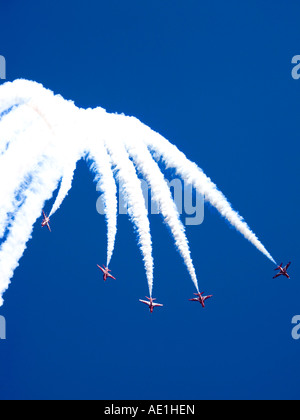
(214, 78)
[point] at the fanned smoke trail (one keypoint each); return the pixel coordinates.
(160, 191)
(192, 174)
(42, 137)
(70, 152)
(20, 158)
(41, 189)
(130, 187)
(107, 184)
(65, 186)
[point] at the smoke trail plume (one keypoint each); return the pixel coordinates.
(130, 187)
(106, 183)
(160, 190)
(192, 174)
(40, 190)
(42, 137)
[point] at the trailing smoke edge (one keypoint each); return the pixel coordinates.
(42, 137)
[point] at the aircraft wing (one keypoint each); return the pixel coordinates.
(143, 301)
(100, 268)
(157, 304)
(112, 277)
(279, 274)
(288, 265)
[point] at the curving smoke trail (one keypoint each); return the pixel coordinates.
(192, 174)
(42, 137)
(106, 182)
(132, 192)
(65, 186)
(160, 190)
(14, 171)
(39, 190)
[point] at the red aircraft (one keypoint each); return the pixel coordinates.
(283, 271)
(151, 304)
(201, 299)
(105, 271)
(46, 221)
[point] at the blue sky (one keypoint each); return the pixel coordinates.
(215, 79)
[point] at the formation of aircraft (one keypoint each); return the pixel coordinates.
(150, 301)
(46, 221)
(105, 271)
(200, 298)
(282, 271)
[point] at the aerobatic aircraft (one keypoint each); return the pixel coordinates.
(151, 303)
(46, 221)
(200, 298)
(105, 271)
(283, 271)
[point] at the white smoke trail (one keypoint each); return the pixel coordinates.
(192, 174)
(20, 159)
(106, 183)
(10, 128)
(65, 186)
(42, 137)
(69, 152)
(160, 191)
(31, 164)
(40, 190)
(130, 186)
